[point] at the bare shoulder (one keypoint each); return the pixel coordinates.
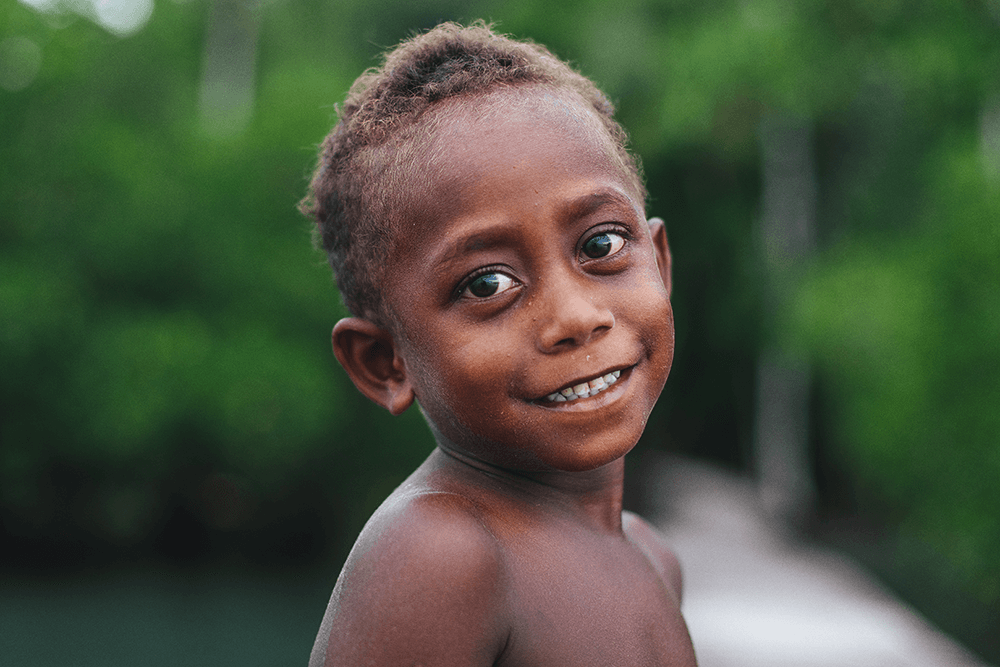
(424, 584)
(652, 543)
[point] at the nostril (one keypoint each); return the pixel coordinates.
(571, 322)
(572, 341)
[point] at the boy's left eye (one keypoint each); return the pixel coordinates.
(602, 245)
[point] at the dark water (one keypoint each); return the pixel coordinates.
(153, 618)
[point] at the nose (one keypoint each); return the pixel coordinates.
(571, 317)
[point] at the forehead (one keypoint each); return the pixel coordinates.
(493, 166)
(531, 119)
(513, 138)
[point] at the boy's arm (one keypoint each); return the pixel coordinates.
(423, 586)
(654, 546)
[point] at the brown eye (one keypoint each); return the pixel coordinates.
(489, 284)
(602, 245)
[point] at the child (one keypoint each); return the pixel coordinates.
(486, 226)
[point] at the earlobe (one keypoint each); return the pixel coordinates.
(368, 354)
(661, 248)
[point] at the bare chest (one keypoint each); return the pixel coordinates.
(591, 602)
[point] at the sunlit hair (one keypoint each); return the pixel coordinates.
(358, 191)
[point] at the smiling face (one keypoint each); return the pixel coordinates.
(530, 312)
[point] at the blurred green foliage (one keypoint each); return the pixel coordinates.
(906, 329)
(165, 373)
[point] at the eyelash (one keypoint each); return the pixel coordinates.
(503, 270)
(479, 273)
(616, 230)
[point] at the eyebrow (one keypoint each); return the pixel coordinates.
(491, 238)
(574, 208)
(593, 201)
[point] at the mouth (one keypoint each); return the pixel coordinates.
(585, 388)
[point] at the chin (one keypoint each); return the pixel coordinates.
(596, 456)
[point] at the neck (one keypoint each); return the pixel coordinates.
(595, 496)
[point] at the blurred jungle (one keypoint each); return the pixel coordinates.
(168, 397)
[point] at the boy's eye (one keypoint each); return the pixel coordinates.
(489, 284)
(603, 244)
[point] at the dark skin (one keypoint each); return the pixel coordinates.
(534, 271)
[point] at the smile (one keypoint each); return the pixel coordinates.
(584, 389)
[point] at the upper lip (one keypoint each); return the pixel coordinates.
(586, 378)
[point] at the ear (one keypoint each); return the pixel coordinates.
(661, 249)
(368, 354)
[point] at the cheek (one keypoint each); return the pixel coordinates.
(459, 380)
(668, 343)
(652, 317)
(665, 338)
(650, 311)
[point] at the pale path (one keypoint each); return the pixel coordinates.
(753, 598)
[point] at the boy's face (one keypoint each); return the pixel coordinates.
(526, 267)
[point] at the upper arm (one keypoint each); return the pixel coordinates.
(654, 546)
(424, 585)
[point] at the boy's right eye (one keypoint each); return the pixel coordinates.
(488, 284)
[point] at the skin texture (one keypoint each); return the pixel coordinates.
(508, 546)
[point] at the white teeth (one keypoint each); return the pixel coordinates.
(584, 389)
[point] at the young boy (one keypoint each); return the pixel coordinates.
(486, 226)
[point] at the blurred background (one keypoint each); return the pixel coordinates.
(183, 466)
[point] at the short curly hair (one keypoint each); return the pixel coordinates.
(357, 196)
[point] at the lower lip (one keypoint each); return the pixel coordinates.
(599, 400)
